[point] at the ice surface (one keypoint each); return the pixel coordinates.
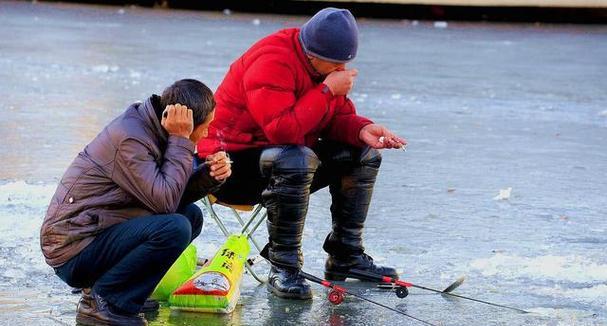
(483, 106)
(577, 269)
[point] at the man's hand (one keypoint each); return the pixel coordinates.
(220, 166)
(378, 136)
(178, 120)
(341, 82)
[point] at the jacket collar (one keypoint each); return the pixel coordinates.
(149, 114)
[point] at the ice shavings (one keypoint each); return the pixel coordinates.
(593, 295)
(566, 317)
(22, 210)
(105, 68)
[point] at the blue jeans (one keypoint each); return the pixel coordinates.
(126, 261)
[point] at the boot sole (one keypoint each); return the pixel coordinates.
(340, 277)
(86, 320)
(82, 319)
(284, 295)
(150, 308)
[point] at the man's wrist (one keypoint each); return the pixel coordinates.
(326, 89)
(185, 142)
(180, 135)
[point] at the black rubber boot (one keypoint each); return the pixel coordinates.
(290, 170)
(356, 267)
(288, 283)
(351, 193)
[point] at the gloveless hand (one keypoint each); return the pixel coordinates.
(378, 136)
(341, 82)
(219, 165)
(178, 120)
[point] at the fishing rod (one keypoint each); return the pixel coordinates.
(337, 295)
(402, 291)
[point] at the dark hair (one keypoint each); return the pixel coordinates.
(191, 93)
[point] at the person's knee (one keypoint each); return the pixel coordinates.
(292, 159)
(194, 215)
(177, 230)
(370, 157)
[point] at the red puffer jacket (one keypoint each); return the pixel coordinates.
(272, 96)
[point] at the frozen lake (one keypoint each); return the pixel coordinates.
(484, 106)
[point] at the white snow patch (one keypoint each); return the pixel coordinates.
(22, 193)
(593, 295)
(440, 24)
(566, 317)
(134, 74)
(104, 68)
(22, 209)
(603, 113)
(396, 96)
(556, 268)
(101, 68)
(504, 194)
(256, 22)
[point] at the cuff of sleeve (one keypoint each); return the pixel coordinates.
(326, 90)
(182, 142)
(360, 124)
(204, 173)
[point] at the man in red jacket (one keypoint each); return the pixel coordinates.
(284, 118)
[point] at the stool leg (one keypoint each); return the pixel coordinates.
(245, 226)
(209, 207)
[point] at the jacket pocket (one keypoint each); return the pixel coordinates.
(84, 220)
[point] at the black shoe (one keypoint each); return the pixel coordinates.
(356, 267)
(150, 305)
(288, 283)
(94, 310)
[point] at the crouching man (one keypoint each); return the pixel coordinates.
(123, 211)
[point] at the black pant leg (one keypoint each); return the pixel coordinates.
(350, 172)
(245, 185)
